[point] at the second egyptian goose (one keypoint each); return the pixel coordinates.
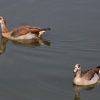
(86, 77)
(22, 32)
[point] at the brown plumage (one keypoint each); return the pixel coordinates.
(22, 32)
(90, 74)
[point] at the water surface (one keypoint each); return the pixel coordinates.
(42, 70)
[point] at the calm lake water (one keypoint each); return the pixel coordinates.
(43, 69)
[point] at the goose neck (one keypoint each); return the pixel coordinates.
(3, 27)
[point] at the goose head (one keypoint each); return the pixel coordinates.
(77, 68)
(2, 20)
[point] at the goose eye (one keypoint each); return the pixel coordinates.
(0, 18)
(78, 66)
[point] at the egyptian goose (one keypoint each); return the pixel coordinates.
(22, 32)
(86, 77)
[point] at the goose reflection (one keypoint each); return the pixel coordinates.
(3, 43)
(32, 42)
(77, 90)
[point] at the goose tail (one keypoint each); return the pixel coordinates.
(46, 29)
(98, 67)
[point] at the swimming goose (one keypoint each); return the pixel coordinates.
(22, 32)
(86, 77)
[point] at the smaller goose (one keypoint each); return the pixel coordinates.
(22, 32)
(86, 77)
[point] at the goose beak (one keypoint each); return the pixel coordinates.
(74, 71)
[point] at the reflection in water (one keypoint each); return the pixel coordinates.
(32, 42)
(77, 90)
(3, 45)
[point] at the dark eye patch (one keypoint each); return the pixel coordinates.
(0, 18)
(79, 66)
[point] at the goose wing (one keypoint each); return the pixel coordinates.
(83, 72)
(23, 30)
(89, 74)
